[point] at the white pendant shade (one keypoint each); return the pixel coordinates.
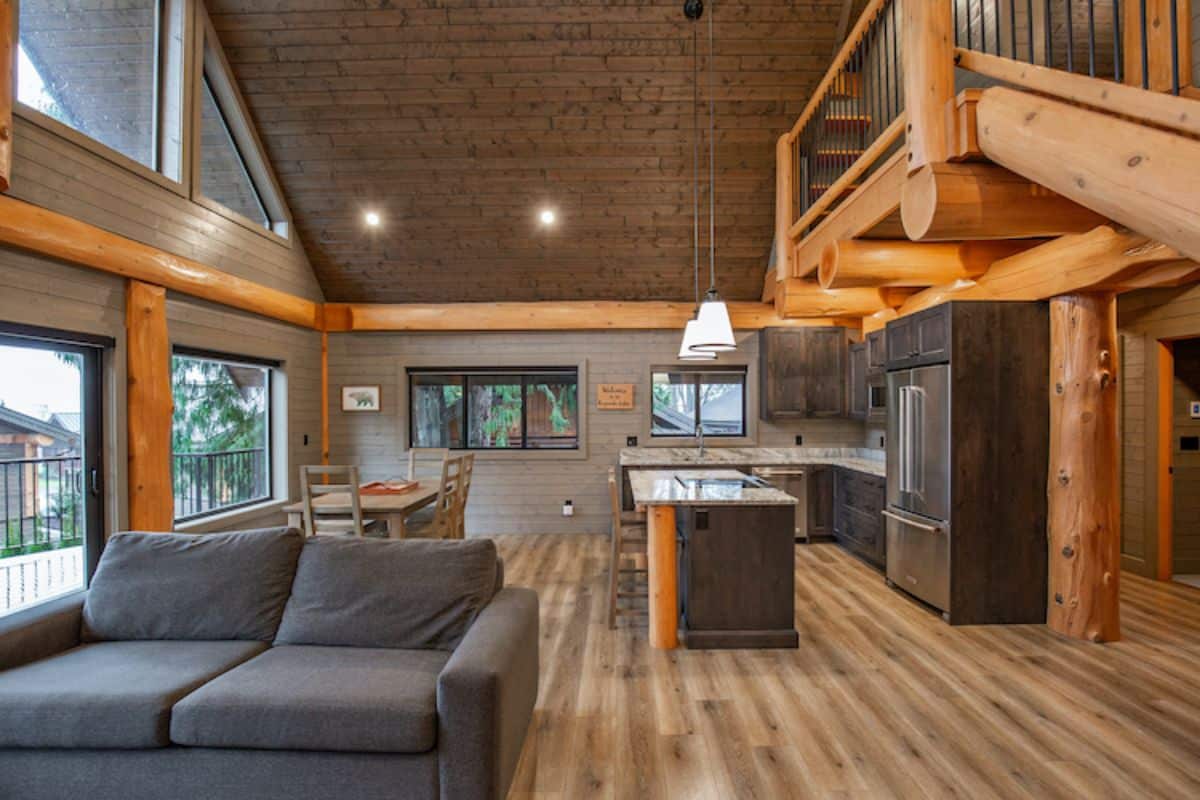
(686, 353)
(714, 333)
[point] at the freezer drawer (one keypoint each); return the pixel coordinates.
(918, 557)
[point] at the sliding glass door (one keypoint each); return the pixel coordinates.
(51, 515)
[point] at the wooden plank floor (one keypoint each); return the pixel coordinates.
(882, 699)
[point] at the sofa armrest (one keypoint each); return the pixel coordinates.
(485, 698)
(41, 631)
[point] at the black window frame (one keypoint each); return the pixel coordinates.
(270, 366)
(697, 373)
(464, 374)
(94, 350)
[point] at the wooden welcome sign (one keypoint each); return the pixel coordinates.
(614, 396)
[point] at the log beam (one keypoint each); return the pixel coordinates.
(954, 202)
(928, 44)
(850, 263)
(148, 398)
(1142, 177)
(801, 297)
(8, 57)
(578, 315)
(1084, 521)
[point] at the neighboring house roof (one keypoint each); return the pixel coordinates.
(66, 419)
(15, 419)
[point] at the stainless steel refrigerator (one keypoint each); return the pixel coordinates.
(918, 492)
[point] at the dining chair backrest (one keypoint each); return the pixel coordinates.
(325, 518)
(430, 459)
(464, 493)
(614, 496)
(445, 507)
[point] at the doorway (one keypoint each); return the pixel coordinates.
(51, 450)
(1185, 462)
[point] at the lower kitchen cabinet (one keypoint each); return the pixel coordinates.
(858, 502)
(820, 502)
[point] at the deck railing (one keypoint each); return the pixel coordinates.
(208, 482)
(1144, 43)
(41, 504)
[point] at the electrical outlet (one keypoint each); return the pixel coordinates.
(631, 441)
(568, 508)
(799, 439)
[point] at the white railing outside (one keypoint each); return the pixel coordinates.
(35, 578)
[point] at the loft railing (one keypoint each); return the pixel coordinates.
(208, 482)
(41, 504)
(854, 118)
(1144, 43)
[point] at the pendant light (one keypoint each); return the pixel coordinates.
(693, 9)
(714, 332)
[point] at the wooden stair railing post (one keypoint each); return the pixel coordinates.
(928, 45)
(1084, 520)
(8, 57)
(149, 408)
(1158, 44)
(784, 213)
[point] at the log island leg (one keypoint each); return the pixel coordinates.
(662, 577)
(1084, 484)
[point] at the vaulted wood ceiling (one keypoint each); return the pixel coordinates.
(459, 119)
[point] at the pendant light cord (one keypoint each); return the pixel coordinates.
(712, 158)
(696, 162)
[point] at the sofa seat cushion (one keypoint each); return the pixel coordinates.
(343, 699)
(108, 695)
(205, 587)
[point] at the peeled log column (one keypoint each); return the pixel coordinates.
(849, 263)
(8, 41)
(1084, 482)
(148, 398)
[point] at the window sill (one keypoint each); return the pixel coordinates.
(228, 520)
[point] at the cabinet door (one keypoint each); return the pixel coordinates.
(876, 352)
(825, 389)
(820, 501)
(933, 334)
(781, 369)
(900, 342)
(858, 381)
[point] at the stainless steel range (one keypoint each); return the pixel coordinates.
(918, 492)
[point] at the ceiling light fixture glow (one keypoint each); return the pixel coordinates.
(547, 216)
(372, 219)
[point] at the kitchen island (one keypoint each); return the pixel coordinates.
(720, 559)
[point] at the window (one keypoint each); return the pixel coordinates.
(715, 400)
(107, 71)
(51, 498)
(232, 171)
(221, 432)
(494, 409)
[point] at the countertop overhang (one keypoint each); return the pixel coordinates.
(652, 487)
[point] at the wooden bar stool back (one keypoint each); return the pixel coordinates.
(628, 588)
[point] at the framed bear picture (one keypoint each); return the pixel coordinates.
(360, 398)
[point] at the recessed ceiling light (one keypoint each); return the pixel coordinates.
(547, 216)
(372, 219)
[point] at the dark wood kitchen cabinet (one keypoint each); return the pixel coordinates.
(820, 501)
(858, 515)
(920, 339)
(876, 352)
(802, 372)
(857, 381)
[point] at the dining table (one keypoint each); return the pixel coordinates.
(393, 508)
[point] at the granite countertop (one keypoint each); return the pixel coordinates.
(862, 459)
(659, 488)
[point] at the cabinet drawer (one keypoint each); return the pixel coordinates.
(863, 534)
(862, 492)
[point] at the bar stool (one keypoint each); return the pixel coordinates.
(626, 584)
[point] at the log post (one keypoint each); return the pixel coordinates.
(784, 213)
(663, 577)
(8, 57)
(148, 398)
(928, 43)
(1084, 519)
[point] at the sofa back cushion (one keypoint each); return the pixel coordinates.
(217, 586)
(408, 594)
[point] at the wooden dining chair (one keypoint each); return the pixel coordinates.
(628, 585)
(460, 513)
(340, 519)
(433, 457)
(438, 523)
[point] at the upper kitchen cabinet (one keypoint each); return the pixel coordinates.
(858, 381)
(876, 352)
(802, 372)
(919, 339)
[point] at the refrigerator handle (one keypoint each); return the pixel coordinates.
(902, 417)
(916, 470)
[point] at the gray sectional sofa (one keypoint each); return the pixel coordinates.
(262, 665)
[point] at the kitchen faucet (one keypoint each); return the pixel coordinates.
(700, 438)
